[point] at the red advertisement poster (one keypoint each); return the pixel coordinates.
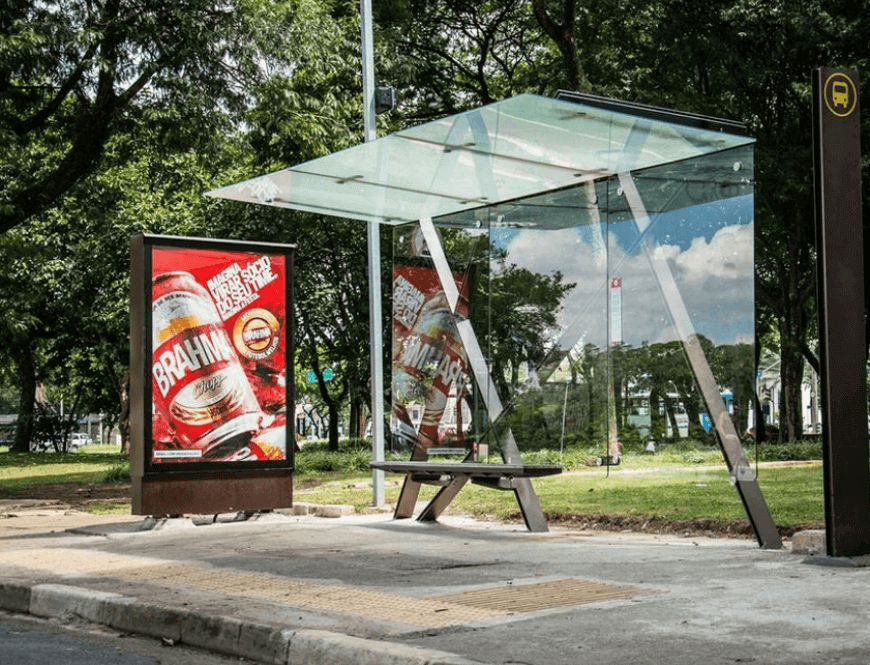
(218, 360)
(428, 359)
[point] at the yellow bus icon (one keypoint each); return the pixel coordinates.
(840, 94)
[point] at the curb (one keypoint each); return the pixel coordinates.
(223, 634)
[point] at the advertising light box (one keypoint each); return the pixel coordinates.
(212, 345)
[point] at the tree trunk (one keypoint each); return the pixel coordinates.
(332, 405)
(562, 34)
(791, 375)
(124, 419)
(353, 419)
(27, 399)
(792, 328)
(332, 426)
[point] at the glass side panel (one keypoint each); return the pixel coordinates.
(581, 302)
(681, 266)
(503, 152)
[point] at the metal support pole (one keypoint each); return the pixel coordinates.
(376, 337)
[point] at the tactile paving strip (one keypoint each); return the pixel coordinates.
(540, 595)
(421, 612)
(433, 612)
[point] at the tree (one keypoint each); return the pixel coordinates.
(455, 55)
(71, 71)
(331, 283)
(32, 280)
(750, 61)
(160, 153)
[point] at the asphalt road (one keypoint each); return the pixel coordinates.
(30, 641)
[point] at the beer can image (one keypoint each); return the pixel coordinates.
(199, 387)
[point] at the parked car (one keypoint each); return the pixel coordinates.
(79, 439)
(76, 441)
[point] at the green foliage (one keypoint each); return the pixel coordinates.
(50, 429)
(354, 455)
(120, 473)
(315, 457)
(115, 117)
(787, 452)
(64, 287)
(71, 72)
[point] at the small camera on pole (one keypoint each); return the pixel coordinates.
(385, 99)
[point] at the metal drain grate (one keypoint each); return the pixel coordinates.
(540, 596)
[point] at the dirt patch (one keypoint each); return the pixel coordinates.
(694, 527)
(76, 496)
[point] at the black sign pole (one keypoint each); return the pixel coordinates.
(842, 345)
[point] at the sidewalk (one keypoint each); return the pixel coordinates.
(362, 590)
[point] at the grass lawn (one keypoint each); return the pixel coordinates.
(668, 485)
(88, 465)
(793, 492)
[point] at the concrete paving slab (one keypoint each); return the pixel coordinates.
(366, 588)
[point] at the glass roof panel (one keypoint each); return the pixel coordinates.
(505, 151)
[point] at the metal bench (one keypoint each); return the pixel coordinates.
(452, 477)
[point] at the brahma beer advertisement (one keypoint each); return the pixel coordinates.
(427, 354)
(218, 354)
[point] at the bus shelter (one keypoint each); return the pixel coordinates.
(571, 274)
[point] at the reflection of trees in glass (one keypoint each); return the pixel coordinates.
(514, 312)
(523, 308)
(536, 414)
(656, 380)
(513, 309)
(734, 368)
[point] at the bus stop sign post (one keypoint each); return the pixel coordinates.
(840, 294)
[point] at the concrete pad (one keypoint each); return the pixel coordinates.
(333, 510)
(357, 589)
(809, 542)
(41, 521)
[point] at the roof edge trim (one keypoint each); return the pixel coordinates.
(654, 112)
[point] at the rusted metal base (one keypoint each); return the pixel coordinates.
(214, 492)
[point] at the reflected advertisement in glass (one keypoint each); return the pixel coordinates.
(429, 369)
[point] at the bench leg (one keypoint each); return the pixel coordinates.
(442, 499)
(407, 499)
(410, 488)
(530, 507)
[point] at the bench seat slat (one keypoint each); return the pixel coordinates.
(471, 469)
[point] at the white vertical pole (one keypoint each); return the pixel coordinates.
(376, 340)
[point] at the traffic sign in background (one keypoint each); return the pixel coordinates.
(311, 377)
